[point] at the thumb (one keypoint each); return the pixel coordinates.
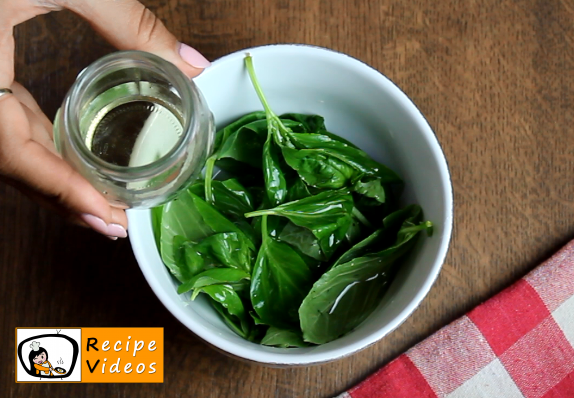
(129, 25)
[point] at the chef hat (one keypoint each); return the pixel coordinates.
(35, 345)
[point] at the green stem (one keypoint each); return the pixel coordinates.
(427, 225)
(359, 216)
(259, 213)
(264, 232)
(255, 82)
(209, 165)
(274, 124)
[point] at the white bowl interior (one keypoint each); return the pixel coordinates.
(361, 105)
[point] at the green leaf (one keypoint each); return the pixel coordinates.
(216, 221)
(275, 183)
(354, 233)
(311, 123)
(347, 294)
(303, 240)
(246, 144)
(325, 162)
(230, 197)
(192, 218)
(279, 282)
(227, 249)
(214, 276)
(283, 338)
(318, 169)
(297, 190)
(383, 237)
(241, 150)
(156, 213)
(222, 135)
(232, 307)
(233, 322)
(187, 262)
(371, 187)
(327, 215)
(351, 155)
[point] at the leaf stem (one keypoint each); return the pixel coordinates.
(258, 213)
(427, 225)
(209, 165)
(255, 82)
(264, 232)
(359, 216)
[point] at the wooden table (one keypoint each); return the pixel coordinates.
(496, 82)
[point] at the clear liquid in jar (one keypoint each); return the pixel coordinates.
(133, 130)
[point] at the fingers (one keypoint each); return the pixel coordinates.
(6, 57)
(38, 131)
(60, 184)
(14, 12)
(26, 99)
(27, 162)
(128, 25)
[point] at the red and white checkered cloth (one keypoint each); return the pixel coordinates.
(518, 344)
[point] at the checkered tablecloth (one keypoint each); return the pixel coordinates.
(518, 344)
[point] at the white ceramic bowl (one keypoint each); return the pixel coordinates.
(361, 105)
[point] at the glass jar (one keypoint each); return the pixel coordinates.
(136, 128)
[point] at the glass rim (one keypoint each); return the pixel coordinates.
(184, 87)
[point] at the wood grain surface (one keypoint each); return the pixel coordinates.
(494, 78)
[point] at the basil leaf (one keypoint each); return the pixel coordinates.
(275, 183)
(371, 187)
(222, 135)
(192, 218)
(314, 124)
(384, 237)
(351, 155)
(347, 294)
(180, 217)
(303, 240)
(187, 262)
(318, 169)
(297, 190)
(156, 213)
(227, 249)
(233, 322)
(215, 276)
(232, 306)
(230, 197)
(311, 123)
(354, 233)
(327, 215)
(215, 221)
(279, 282)
(246, 144)
(283, 338)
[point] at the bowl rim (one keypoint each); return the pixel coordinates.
(310, 358)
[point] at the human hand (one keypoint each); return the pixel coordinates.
(28, 158)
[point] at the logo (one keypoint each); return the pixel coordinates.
(48, 355)
(89, 355)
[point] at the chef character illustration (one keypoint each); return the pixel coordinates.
(39, 360)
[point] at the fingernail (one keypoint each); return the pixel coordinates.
(99, 225)
(192, 56)
(112, 237)
(117, 230)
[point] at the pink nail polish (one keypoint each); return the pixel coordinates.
(100, 226)
(117, 230)
(95, 223)
(193, 57)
